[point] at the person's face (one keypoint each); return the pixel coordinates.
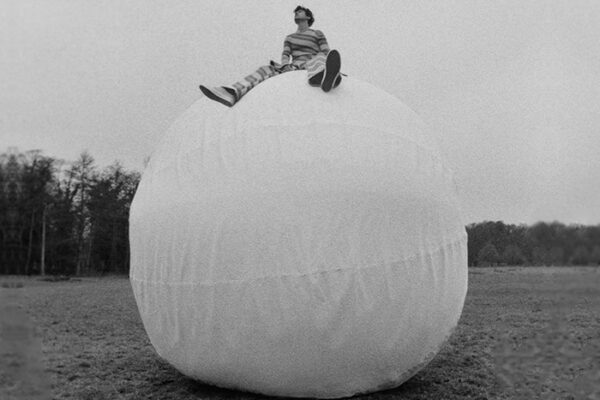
(300, 16)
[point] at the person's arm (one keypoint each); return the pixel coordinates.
(322, 42)
(287, 52)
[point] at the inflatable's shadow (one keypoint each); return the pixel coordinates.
(442, 378)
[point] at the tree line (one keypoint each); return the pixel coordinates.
(63, 218)
(72, 218)
(497, 243)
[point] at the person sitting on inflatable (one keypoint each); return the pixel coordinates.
(306, 49)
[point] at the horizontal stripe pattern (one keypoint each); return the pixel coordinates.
(307, 49)
(302, 46)
(242, 87)
(315, 65)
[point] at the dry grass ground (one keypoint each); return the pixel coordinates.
(525, 333)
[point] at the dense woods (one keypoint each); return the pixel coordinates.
(67, 218)
(71, 218)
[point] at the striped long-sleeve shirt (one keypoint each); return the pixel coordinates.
(302, 46)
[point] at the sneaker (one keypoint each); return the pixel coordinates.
(338, 80)
(221, 94)
(332, 70)
(231, 91)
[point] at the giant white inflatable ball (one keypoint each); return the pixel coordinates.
(301, 243)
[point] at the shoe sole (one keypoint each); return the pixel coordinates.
(332, 69)
(214, 97)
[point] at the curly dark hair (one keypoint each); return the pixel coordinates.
(308, 13)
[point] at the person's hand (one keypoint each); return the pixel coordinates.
(281, 67)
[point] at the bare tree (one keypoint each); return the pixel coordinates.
(82, 174)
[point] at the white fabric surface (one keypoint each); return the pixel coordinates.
(301, 243)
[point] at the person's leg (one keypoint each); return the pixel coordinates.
(245, 85)
(315, 68)
(229, 95)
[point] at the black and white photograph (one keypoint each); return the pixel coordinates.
(270, 199)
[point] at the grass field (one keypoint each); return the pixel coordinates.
(525, 333)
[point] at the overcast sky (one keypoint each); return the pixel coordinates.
(511, 89)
